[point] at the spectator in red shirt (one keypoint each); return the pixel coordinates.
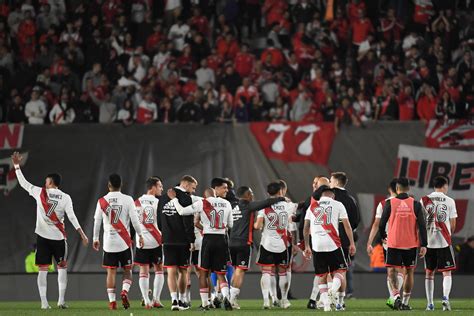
(406, 104)
(200, 22)
(345, 115)
(361, 29)
(276, 56)
(153, 41)
(391, 28)
(227, 47)
(27, 37)
(244, 61)
(426, 104)
(274, 10)
(245, 93)
(353, 9)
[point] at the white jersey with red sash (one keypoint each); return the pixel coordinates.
(51, 206)
(439, 210)
(116, 210)
(324, 217)
(275, 226)
(147, 215)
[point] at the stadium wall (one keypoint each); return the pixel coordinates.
(86, 154)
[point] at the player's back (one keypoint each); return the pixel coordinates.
(51, 202)
(216, 215)
(146, 207)
(439, 209)
(276, 220)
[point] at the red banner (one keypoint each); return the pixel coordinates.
(11, 136)
(295, 141)
(450, 134)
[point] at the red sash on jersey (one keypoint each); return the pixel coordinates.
(208, 208)
(282, 232)
(149, 226)
(442, 226)
(119, 226)
(52, 217)
(329, 228)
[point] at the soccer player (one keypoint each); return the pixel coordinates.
(338, 183)
(51, 205)
(241, 236)
(406, 230)
(440, 213)
(216, 218)
(273, 250)
(322, 223)
(115, 210)
(178, 240)
(151, 253)
(373, 232)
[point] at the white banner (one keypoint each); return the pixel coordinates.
(421, 165)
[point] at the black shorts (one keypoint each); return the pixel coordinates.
(347, 256)
(441, 259)
(240, 256)
(176, 256)
(268, 258)
(123, 259)
(214, 254)
(401, 258)
(46, 249)
(148, 256)
(329, 261)
(195, 257)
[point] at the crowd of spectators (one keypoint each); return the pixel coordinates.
(143, 61)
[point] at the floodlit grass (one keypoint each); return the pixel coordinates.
(249, 307)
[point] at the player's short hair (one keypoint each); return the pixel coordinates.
(326, 188)
(341, 178)
(283, 184)
(151, 182)
(393, 185)
(404, 183)
(273, 187)
(56, 178)
(241, 191)
(440, 181)
(188, 178)
(230, 183)
(218, 182)
(115, 181)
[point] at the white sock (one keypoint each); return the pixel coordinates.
(225, 290)
(42, 287)
(323, 290)
(288, 277)
(406, 298)
(234, 294)
(447, 283)
(204, 296)
(283, 283)
(389, 287)
(315, 290)
(174, 296)
(336, 282)
(265, 283)
(62, 284)
(273, 287)
(126, 285)
(158, 283)
(188, 293)
(182, 297)
(329, 284)
(401, 280)
(111, 294)
(429, 288)
(341, 297)
(144, 283)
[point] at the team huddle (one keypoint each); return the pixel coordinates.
(213, 235)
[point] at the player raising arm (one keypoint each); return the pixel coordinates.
(115, 210)
(51, 205)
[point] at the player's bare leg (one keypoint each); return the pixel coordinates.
(173, 286)
(284, 286)
(224, 287)
(323, 290)
(447, 283)
(182, 281)
(338, 280)
(158, 283)
(126, 284)
(188, 284)
(265, 284)
(144, 283)
(237, 281)
(110, 282)
(400, 277)
(42, 281)
(62, 284)
(407, 288)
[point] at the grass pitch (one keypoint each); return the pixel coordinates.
(248, 307)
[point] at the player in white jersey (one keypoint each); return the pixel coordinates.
(321, 222)
(273, 251)
(115, 210)
(216, 218)
(373, 233)
(440, 212)
(151, 253)
(51, 206)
